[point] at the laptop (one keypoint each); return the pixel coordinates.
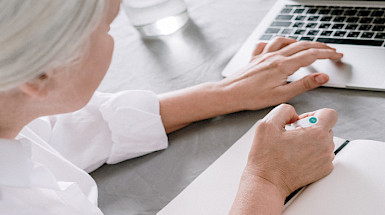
(355, 28)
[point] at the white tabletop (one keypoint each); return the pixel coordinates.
(196, 54)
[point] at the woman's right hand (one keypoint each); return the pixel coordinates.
(281, 161)
(290, 159)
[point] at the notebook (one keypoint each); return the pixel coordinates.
(355, 28)
(356, 185)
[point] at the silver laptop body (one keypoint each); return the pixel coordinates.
(355, 28)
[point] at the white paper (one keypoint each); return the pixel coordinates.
(356, 185)
(214, 191)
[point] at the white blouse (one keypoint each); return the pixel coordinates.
(44, 170)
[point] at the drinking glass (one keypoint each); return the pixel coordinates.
(156, 17)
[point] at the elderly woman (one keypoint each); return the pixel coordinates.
(53, 56)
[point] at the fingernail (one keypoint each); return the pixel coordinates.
(339, 63)
(321, 79)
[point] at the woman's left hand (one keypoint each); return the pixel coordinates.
(263, 82)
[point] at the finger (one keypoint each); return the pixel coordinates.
(307, 83)
(309, 114)
(259, 47)
(282, 115)
(326, 117)
(301, 46)
(307, 57)
(330, 141)
(322, 130)
(278, 43)
(304, 115)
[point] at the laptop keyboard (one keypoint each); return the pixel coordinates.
(330, 24)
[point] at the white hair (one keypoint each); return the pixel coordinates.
(38, 35)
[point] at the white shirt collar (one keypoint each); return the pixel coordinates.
(17, 169)
(15, 163)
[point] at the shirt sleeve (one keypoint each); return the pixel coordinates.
(110, 129)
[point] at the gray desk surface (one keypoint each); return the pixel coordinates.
(197, 54)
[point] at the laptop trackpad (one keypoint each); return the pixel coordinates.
(361, 67)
